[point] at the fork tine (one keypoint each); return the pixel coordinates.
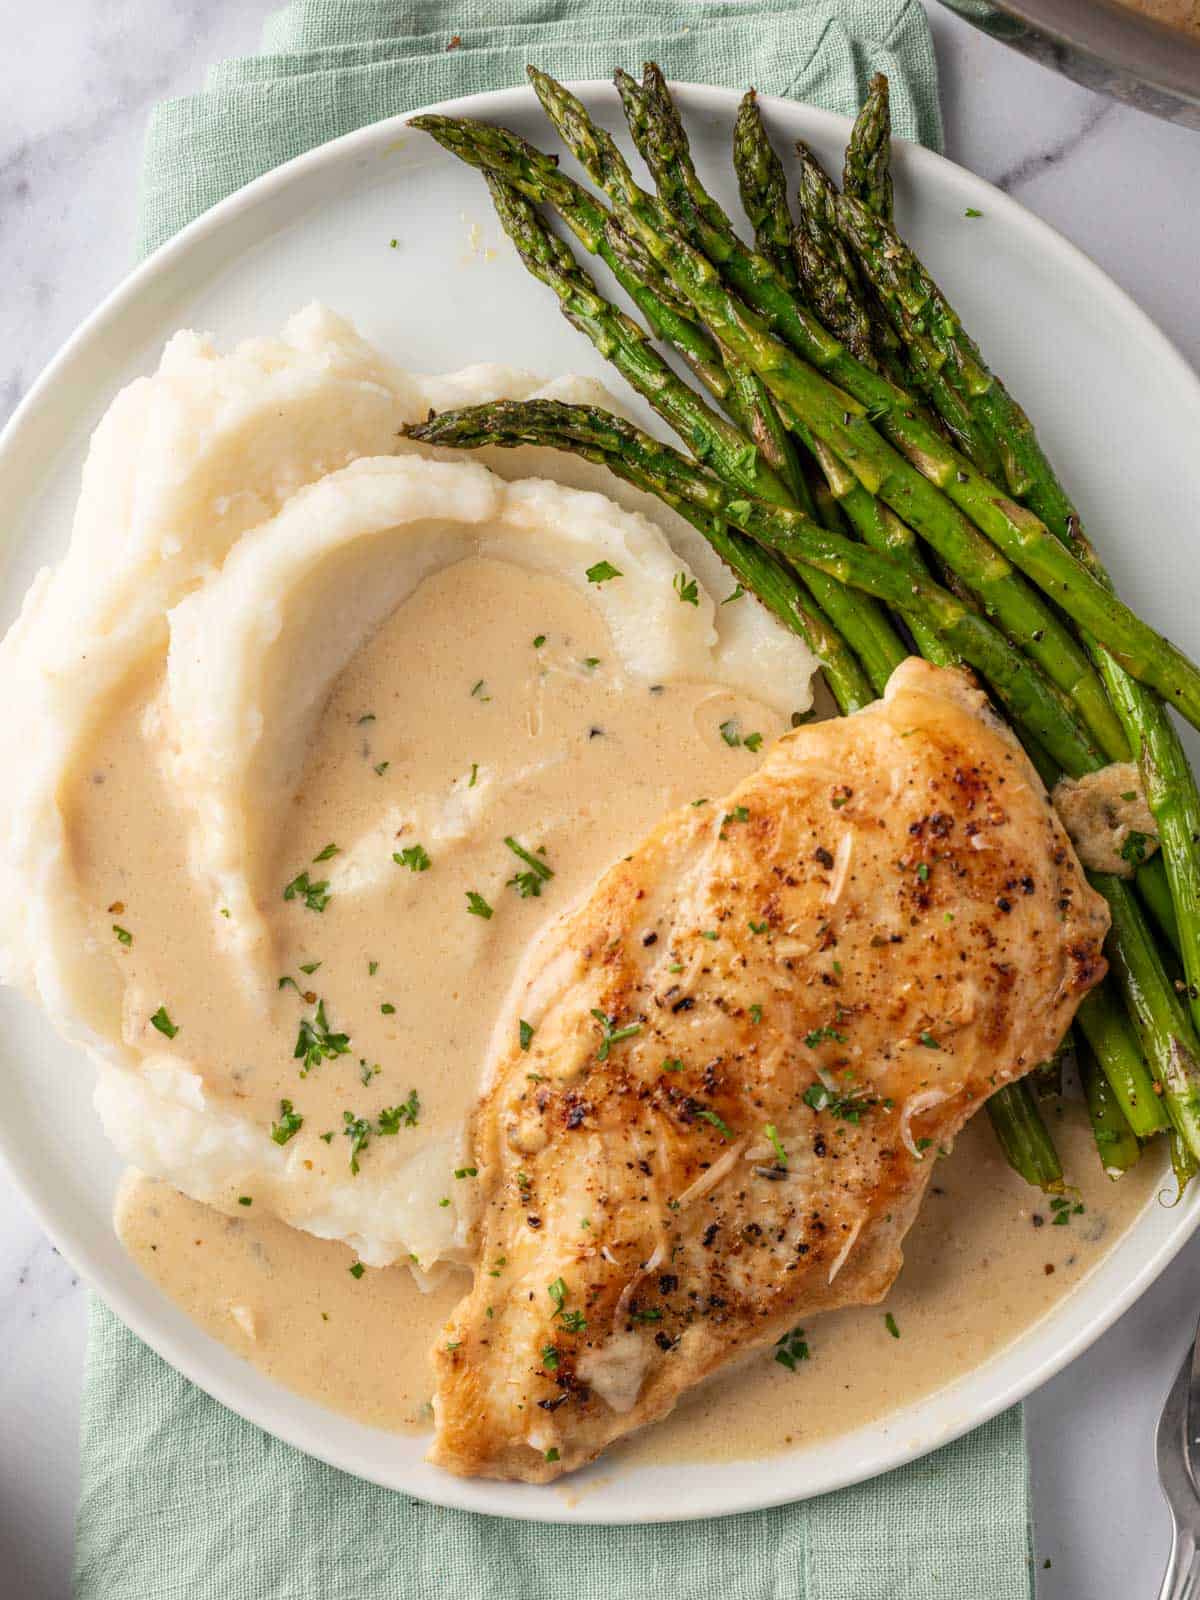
(1171, 1446)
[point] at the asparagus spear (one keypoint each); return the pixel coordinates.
(868, 171)
(1105, 1026)
(842, 421)
(763, 189)
(1023, 1137)
(832, 263)
(827, 269)
(1115, 1139)
(762, 184)
(1164, 1029)
(1171, 790)
(1183, 1163)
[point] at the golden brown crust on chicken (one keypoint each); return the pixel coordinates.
(749, 1044)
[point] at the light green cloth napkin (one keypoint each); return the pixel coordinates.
(182, 1499)
(329, 66)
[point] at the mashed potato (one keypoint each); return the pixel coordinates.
(289, 700)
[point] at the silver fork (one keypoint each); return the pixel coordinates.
(1178, 1450)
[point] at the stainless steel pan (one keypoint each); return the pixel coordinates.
(1104, 46)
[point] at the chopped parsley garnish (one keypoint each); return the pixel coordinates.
(289, 1124)
(406, 1115)
(923, 871)
(550, 1357)
(245, 1200)
(367, 716)
(528, 884)
(709, 933)
(792, 1349)
(309, 967)
(928, 1040)
(687, 589)
(315, 895)
(381, 767)
(612, 1035)
(729, 732)
(718, 1123)
(971, 212)
(123, 934)
(357, 1270)
(366, 1072)
(602, 571)
(572, 1321)
(327, 854)
(525, 1033)
(163, 1023)
(591, 662)
(736, 595)
(328, 1137)
(672, 1064)
(358, 1131)
(372, 968)
(756, 1014)
(315, 1042)
(474, 774)
(539, 641)
(776, 1144)
(849, 1106)
(889, 1323)
(757, 927)
(388, 1009)
(753, 741)
(647, 1314)
(1134, 848)
(477, 906)
(822, 1035)
(552, 1454)
(414, 856)
(1064, 1209)
(466, 1172)
(477, 691)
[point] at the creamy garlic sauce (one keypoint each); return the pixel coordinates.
(454, 711)
(450, 709)
(983, 1262)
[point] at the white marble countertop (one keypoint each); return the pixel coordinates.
(1116, 182)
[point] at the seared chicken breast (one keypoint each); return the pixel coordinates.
(729, 1073)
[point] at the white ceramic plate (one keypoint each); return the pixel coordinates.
(1117, 406)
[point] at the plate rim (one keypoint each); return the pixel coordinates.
(528, 1503)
